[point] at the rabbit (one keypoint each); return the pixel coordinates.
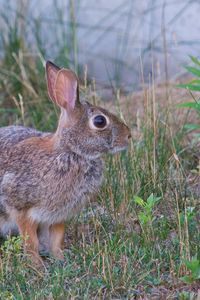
(46, 178)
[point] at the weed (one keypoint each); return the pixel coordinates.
(193, 86)
(194, 267)
(146, 216)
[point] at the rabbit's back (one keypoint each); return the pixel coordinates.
(11, 135)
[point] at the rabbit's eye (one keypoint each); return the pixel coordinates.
(100, 121)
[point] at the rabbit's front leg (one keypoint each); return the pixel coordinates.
(56, 232)
(28, 230)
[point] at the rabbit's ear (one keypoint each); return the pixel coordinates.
(51, 74)
(66, 90)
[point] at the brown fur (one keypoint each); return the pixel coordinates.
(28, 230)
(46, 143)
(57, 239)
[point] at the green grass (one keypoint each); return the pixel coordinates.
(137, 239)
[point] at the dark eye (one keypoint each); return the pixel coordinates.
(99, 121)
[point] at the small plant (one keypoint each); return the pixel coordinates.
(12, 245)
(189, 216)
(193, 86)
(187, 295)
(10, 253)
(146, 216)
(194, 267)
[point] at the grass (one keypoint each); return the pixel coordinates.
(141, 234)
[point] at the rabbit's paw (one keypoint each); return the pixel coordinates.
(58, 254)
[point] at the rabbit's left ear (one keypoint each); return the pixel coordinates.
(66, 90)
(51, 74)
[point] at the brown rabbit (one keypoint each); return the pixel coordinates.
(46, 178)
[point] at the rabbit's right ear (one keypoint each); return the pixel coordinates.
(66, 90)
(51, 75)
(62, 87)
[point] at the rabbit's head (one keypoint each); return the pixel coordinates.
(83, 128)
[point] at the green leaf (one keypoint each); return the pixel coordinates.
(192, 265)
(193, 70)
(187, 279)
(189, 86)
(195, 60)
(194, 105)
(144, 218)
(139, 201)
(195, 81)
(151, 201)
(192, 126)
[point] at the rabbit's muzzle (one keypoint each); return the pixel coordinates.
(120, 139)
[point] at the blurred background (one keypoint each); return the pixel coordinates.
(122, 43)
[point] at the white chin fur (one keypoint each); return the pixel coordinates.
(118, 149)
